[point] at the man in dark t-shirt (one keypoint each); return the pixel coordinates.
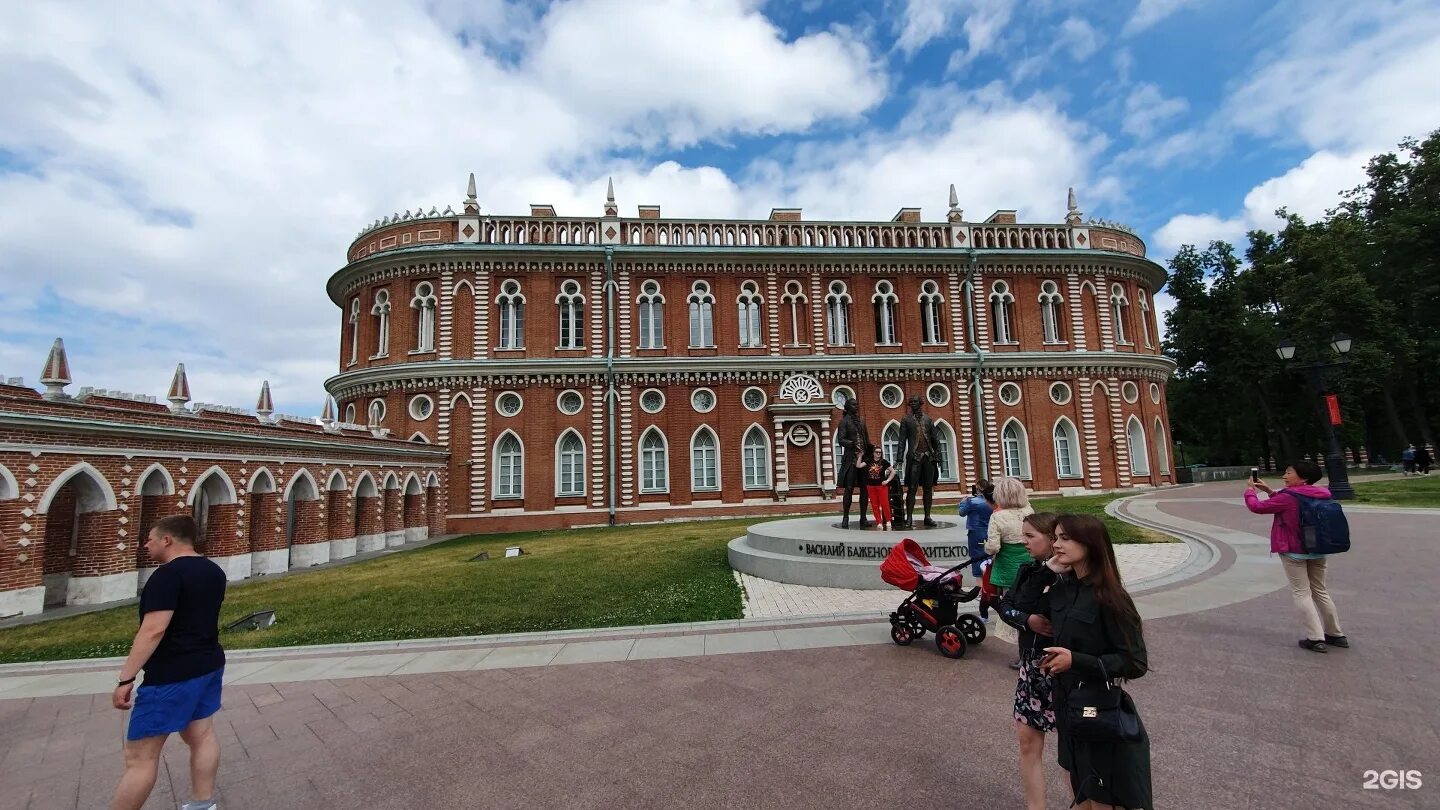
(178, 648)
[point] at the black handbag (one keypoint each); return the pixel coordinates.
(1100, 711)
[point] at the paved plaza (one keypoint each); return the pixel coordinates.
(798, 711)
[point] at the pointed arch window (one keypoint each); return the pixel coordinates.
(651, 306)
(1145, 318)
(884, 302)
(890, 445)
(946, 451)
(654, 462)
(570, 304)
(702, 316)
(511, 303)
(354, 330)
(1016, 449)
(837, 314)
(931, 303)
(570, 465)
(1139, 452)
(423, 302)
(381, 311)
(1002, 313)
(1119, 310)
(1067, 449)
(509, 467)
(748, 303)
(1052, 307)
(756, 452)
(798, 307)
(1162, 449)
(704, 461)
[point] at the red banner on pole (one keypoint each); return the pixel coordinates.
(1332, 403)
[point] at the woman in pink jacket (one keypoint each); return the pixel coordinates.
(1306, 572)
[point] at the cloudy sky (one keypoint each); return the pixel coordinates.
(177, 180)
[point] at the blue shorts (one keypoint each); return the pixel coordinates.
(170, 707)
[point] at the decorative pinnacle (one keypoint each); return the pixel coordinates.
(611, 210)
(328, 414)
(56, 374)
(264, 406)
(955, 214)
(472, 206)
(1072, 210)
(179, 389)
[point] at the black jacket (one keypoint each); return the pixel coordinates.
(1025, 598)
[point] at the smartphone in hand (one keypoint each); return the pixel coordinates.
(1254, 475)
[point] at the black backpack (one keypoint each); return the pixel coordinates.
(1323, 526)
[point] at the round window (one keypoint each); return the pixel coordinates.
(1010, 393)
(839, 394)
(652, 400)
(891, 396)
(703, 400)
(421, 407)
(1155, 393)
(509, 403)
(1130, 391)
(570, 402)
(754, 398)
(1059, 393)
(938, 394)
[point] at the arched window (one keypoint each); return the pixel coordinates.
(512, 315)
(890, 444)
(837, 314)
(1139, 454)
(798, 306)
(570, 465)
(350, 414)
(509, 467)
(931, 302)
(571, 306)
(702, 315)
(756, 452)
(946, 451)
(1016, 448)
(1067, 449)
(704, 461)
(748, 304)
(884, 301)
(381, 311)
(1145, 317)
(654, 462)
(423, 303)
(1162, 449)
(354, 330)
(1120, 310)
(1052, 305)
(652, 315)
(1002, 313)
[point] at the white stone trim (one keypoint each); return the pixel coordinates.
(236, 566)
(23, 601)
(369, 542)
(272, 561)
(395, 539)
(308, 554)
(343, 548)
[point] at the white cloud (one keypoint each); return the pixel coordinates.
(926, 20)
(1149, 12)
(1079, 38)
(1147, 109)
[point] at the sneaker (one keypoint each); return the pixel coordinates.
(1314, 646)
(1337, 641)
(208, 804)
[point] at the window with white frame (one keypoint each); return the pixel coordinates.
(931, 302)
(702, 316)
(421, 406)
(654, 462)
(1162, 453)
(1052, 307)
(570, 465)
(1016, 450)
(938, 394)
(891, 396)
(890, 445)
(423, 302)
(381, 311)
(570, 307)
(1145, 317)
(756, 452)
(1067, 449)
(1002, 313)
(509, 467)
(652, 400)
(748, 303)
(570, 402)
(511, 303)
(837, 314)
(839, 394)
(754, 398)
(946, 451)
(884, 301)
(1120, 310)
(354, 330)
(704, 461)
(1139, 454)
(651, 306)
(350, 414)
(798, 306)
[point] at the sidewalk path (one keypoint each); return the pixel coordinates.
(1240, 717)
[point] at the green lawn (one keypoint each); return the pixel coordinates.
(1417, 490)
(575, 578)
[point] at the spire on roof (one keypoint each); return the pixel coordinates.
(611, 210)
(955, 215)
(1072, 211)
(472, 205)
(328, 413)
(179, 393)
(56, 374)
(264, 406)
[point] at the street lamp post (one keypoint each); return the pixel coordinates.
(1315, 375)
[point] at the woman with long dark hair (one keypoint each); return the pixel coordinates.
(1098, 637)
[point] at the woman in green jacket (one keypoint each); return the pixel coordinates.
(1095, 623)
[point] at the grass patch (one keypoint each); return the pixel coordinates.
(1420, 490)
(568, 579)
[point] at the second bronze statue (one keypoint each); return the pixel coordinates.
(920, 452)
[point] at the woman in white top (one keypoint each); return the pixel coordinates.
(1006, 539)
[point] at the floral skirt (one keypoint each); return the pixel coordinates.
(1034, 695)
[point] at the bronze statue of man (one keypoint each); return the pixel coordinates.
(920, 448)
(853, 438)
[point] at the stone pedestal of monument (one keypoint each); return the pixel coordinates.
(816, 551)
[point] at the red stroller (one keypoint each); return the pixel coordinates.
(933, 603)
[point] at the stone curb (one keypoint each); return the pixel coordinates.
(1204, 553)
